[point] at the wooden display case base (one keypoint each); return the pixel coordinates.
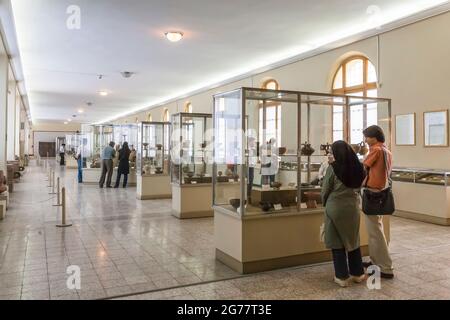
(423, 218)
(153, 187)
(264, 242)
(192, 201)
(278, 263)
(92, 176)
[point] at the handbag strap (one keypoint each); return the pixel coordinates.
(388, 171)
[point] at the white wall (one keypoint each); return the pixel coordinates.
(414, 70)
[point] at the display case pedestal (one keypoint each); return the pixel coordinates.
(256, 243)
(192, 200)
(92, 176)
(156, 186)
(429, 204)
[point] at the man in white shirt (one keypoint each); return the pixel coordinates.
(62, 152)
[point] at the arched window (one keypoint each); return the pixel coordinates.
(149, 117)
(272, 116)
(356, 76)
(188, 107)
(166, 115)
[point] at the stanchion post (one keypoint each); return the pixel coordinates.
(50, 178)
(63, 210)
(53, 183)
(58, 194)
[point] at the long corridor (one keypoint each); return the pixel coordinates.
(132, 249)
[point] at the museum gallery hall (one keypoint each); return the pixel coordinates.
(224, 150)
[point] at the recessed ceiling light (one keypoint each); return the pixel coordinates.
(80, 110)
(174, 36)
(103, 93)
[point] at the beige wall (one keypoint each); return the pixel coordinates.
(49, 126)
(414, 72)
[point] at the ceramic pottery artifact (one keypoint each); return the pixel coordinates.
(307, 150)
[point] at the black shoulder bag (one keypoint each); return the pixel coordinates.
(382, 202)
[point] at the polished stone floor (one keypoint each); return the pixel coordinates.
(125, 247)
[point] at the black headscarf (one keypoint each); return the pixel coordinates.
(347, 166)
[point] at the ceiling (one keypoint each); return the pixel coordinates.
(223, 39)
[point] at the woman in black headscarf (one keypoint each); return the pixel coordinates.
(124, 165)
(341, 184)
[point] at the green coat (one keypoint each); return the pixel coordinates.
(342, 213)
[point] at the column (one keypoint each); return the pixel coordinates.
(11, 124)
(17, 123)
(3, 109)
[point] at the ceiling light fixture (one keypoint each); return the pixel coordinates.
(69, 120)
(65, 122)
(103, 93)
(127, 74)
(174, 36)
(80, 110)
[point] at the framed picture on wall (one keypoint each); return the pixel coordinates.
(405, 129)
(435, 126)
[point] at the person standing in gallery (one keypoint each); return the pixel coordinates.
(340, 198)
(377, 180)
(62, 152)
(107, 165)
(124, 165)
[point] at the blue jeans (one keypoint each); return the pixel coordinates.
(343, 269)
(80, 170)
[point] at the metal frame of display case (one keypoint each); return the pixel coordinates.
(165, 148)
(180, 117)
(301, 98)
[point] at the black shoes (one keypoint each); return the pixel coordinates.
(383, 275)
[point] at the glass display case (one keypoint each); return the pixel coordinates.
(97, 138)
(191, 148)
(73, 143)
(126, 133)
(153, 148)
(422, 176)
(191, 165)
(277, 142)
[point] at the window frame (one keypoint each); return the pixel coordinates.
(363, 88)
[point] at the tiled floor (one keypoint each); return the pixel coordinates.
(124, 246)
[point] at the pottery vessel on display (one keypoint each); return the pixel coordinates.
(307, 150)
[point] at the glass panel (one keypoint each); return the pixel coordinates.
(191, 148)
(338, 80)
(338, 122)
(436, 128)
(402, 175)
(153, 151)
(430, 178)
(354, 73)
(228, 151)
(371, 73)
(356, 119)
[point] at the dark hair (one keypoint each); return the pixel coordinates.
(374, 132)
(125, 146)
